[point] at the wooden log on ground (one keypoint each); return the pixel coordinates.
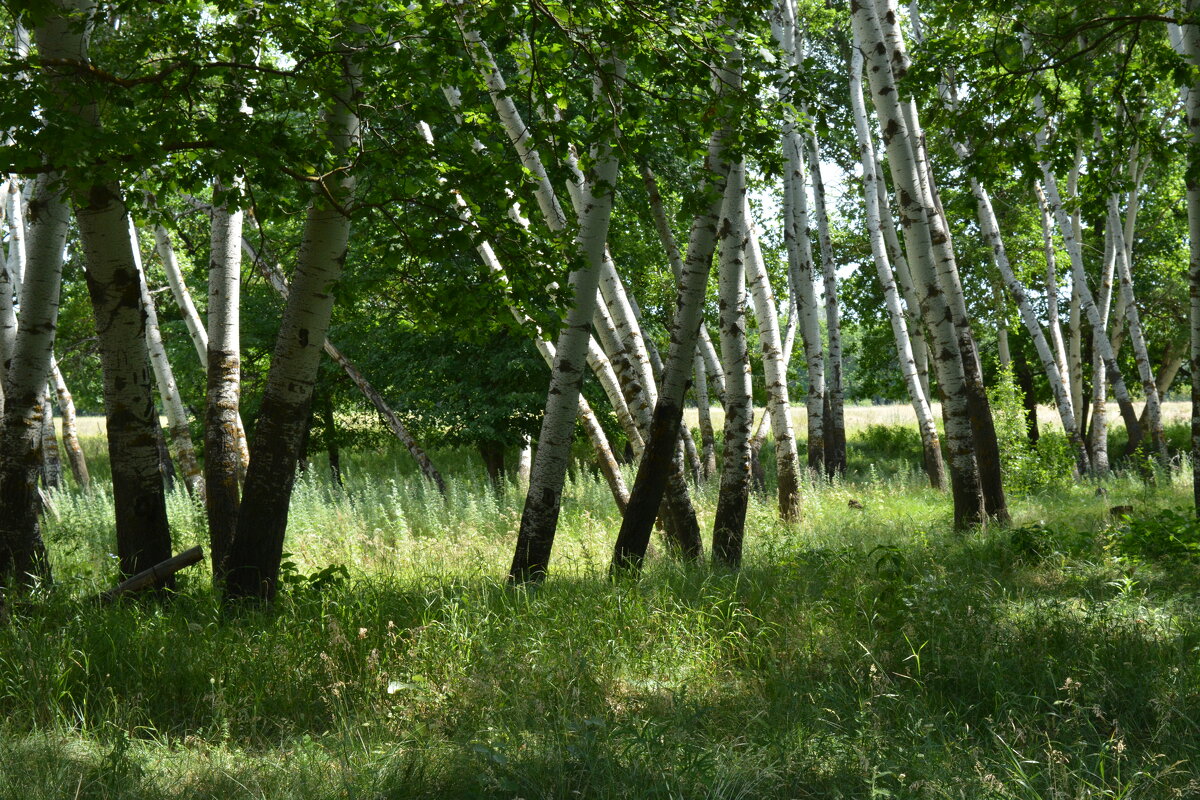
(156, 574)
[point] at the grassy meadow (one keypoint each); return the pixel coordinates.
(860, 653)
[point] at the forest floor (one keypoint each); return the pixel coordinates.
(860, 653)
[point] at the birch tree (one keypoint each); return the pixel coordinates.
(253, 559)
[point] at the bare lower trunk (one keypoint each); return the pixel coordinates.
(648, 488)
(51, 459)
(835, 420)
(222, 421)
(1137, 338)
(775, 369)
(1190, 47)
(916, 218)
(931, 445)
(143, 536)
(1053, 320)
(708, 440)
(730, 520)
(70, 433)
(164, 376)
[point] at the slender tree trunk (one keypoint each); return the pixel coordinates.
(1190, 46)
(199, 335)
(965, 486)
(1099, 426)
(1137, 338)
(1054, 321)
(11, 272)
(1004, 351)
(222, 360)
(931, 445)
(164, 376)
(729, 524)
(51, 459)
(539, 519)
(70, 433)
(796, 239)
(708, 439)
(987, 449)
(1058, 385)
(712, 363)
(1087, 303)
(253, 559)
(835, 421)
(650, 483)
(775, 369)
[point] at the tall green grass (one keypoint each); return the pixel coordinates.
(861, 653)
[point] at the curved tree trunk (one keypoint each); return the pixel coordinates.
(968, 498)
(22, 552)
(775, 369)
(70, 433)
(930, 443)
(164, 376)
(729, 524)
(253, 559)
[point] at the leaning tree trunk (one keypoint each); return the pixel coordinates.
(70, 433)
(539, 519)
(650, 483)
(1053, 320)
(799, 246)
(222, 358)
(931, 445)
(605, 459)
(1140, 352)
(164, 376)
(1087, 303)
(729, 525)
(11, 272)
(835, 392)
(22, 552)
(708, 440)
(1191, 49)
(965, 485)
(983, 429)
(775, 370)
(1058, 384)
(196, 329)
(253, 559)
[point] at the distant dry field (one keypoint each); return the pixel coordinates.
(857, 417)
(860, 417)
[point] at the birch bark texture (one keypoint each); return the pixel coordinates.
(253, 558)
(222, 359)
(729, 522)
(1191, 52)
(915, 217)
(930, 442)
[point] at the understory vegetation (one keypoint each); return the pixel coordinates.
(862, 652)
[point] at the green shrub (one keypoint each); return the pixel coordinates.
(1166, 535)
(1026, 467)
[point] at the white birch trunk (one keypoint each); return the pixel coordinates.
(835, 424)
(931, 445)
(775, 368)
(1087, 303)
(1189, 38)
(1136, 336)
(730, 519)
(796, 238)
(968, 499)
(253, 559)
(70, 432)
(1053, 320)
(164, 376)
